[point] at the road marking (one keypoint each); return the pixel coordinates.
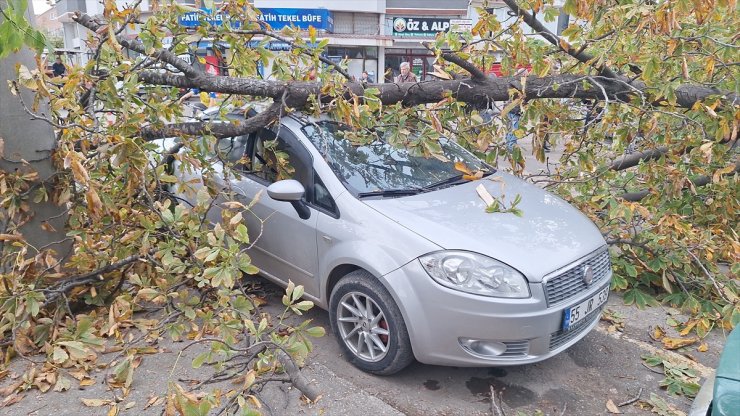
(703, 370)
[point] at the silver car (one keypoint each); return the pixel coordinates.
(400, 250)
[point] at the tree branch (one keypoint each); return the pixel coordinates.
(556, 40)
(161, 54)
(218, 129)
(700, 180)
(475, 72)
(291, 43)
(634, 159)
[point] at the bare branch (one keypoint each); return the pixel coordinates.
(218, 129)
(291, 43)
(556, 40)
(161, 54)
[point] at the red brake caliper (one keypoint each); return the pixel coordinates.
(383, 324)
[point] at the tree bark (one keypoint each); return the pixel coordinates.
(28, 147)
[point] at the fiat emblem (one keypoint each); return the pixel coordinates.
(588, 274)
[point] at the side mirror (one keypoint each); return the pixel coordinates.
(290, 190)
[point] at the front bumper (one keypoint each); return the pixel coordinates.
(438, 318)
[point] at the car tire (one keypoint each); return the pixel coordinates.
(362, 335)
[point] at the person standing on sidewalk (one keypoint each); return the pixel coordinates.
(406, 74)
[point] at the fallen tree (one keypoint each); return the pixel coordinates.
(651, 76)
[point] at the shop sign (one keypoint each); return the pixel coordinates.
(192, 19)
(419, 26)
(320, 19)
(461, 25)
(278, 46)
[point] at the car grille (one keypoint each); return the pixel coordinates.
(562, 337)
(516, 348)
(570, 282)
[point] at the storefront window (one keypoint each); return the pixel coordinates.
(421, 62)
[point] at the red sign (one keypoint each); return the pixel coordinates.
(212, 65)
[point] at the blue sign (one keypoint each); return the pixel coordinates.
(321, 19)
(277, 45)
(192, 19)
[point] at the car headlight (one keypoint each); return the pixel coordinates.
(475, 273)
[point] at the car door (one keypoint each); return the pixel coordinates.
(284, 245)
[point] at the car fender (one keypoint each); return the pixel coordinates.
(373, 258)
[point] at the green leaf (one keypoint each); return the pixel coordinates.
(639, 298)
(59, 355)
(652, 360)
(200, 359)
(297, 293)
(316, 331)
(242, 234)
(631, 270)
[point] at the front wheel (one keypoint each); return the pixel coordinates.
(368, 325)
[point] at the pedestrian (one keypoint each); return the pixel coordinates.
(406, 74)
(514, 115)
(365, 78)
(312, 74)
(58, 69)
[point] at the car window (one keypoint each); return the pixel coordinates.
(321, 196)
(377, 165)
(281, 157)
(231, 149)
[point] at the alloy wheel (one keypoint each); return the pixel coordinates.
(363, 327)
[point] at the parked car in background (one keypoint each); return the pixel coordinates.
(400, 250)
(720, 394)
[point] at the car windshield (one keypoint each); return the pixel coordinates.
(379, 167)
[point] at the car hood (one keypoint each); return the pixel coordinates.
(549, 235)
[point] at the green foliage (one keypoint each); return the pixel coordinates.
(16, 31)
(679, 379)
(678, 246)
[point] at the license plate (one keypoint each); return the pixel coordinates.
(575, 314)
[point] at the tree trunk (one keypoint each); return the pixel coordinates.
(28, 147)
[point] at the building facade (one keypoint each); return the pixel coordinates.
(48, 22)
(371, 35)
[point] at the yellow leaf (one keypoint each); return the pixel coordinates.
(312, 33)
(94, 204)
(709, 68)
(249, 379)
(95, 402)
(657, 333)
(612, 408)
(474, 177)
(255, 401)
(79, 172)
(676, 343)
(460, 167)
(152, 400)
(564, 44)
(689, 326)
(703, 347)
(720, 172)
(113, 410)
(87, 382)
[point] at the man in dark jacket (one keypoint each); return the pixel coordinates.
(58, 68)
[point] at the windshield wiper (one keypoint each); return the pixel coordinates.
(391, 192)
(452, 180)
